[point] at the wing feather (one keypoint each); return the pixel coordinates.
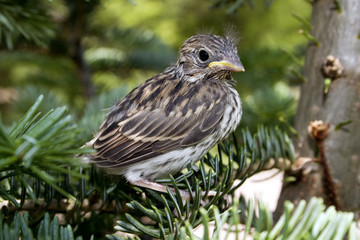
(142, 127)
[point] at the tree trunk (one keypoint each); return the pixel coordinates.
(78, 16)
(337, 29)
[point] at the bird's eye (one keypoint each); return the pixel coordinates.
(203, 55)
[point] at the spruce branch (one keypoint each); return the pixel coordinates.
(306, 221)
(19, 19)
(169, 213)
(37, 153)
(20, 228)
(40, 173)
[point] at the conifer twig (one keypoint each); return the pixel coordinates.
(319, 131)
(62, 205)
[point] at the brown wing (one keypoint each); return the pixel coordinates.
(158, 117)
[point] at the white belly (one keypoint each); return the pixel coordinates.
(174, 161)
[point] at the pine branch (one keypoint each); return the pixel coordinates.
(168, 212)
(37, 153)
(19, 19)
(306, 221)
(48, 229)
(39, 171)
(61, 206)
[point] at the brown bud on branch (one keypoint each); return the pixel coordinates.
(332, 68)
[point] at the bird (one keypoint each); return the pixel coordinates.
(175, 117)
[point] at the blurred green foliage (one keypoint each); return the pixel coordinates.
(119, 44)
(20, 21)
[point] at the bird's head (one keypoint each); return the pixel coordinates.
(208, 56)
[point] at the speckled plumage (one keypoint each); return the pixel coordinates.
(175, 117)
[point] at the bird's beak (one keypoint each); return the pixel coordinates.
(234, 65)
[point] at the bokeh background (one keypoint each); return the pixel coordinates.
(88, 54)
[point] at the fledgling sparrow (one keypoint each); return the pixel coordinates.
(175, 117)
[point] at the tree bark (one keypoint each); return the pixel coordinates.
(337, 29)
